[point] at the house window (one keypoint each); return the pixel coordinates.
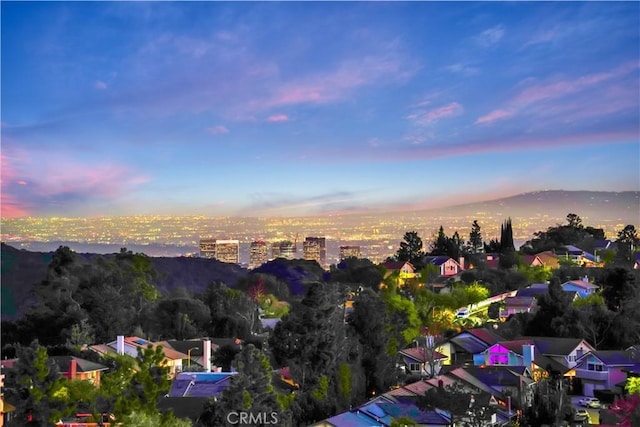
(415, 367)
(572, 358)
(498, 359)
(595, 367)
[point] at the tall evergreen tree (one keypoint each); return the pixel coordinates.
(475, 238)
(439, 245)
(249, 391)
(507, 247)
(411, 249)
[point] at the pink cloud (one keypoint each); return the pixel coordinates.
(494, 115)
(278, 118)
(217, 130)
(338, 84)
(100, 85)
(431, 116)
(10, 206)
(565, 87)
(534, 99)
(33, 186)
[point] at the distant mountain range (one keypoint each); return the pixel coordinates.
(597, 206)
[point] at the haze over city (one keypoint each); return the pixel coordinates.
(291, 109)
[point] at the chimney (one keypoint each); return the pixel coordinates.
(585, 279)
(528, 354)
(461, 262)
(120, 344)
(73, 368)
(206, 355)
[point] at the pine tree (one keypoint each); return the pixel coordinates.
(507, 248)
(475, 238)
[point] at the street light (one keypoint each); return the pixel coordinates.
(189, 356)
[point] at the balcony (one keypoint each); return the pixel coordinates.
(586, 374)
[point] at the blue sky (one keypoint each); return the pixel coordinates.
(298, 108)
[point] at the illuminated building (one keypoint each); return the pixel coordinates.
(349, 252)
(314, 249)
(285, 249)
(222, 250)
(258, 254)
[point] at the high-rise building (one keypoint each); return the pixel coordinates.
(314, 249)
(222, 250)
(258, 254)
(349, 252)
(285, 249)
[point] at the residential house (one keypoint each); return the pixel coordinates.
(382, 410)
(198, 352)
(636, 263)
(131, 345)
(423, 361)
(518, 304)
(460, 348)
(549, 259)
(479, 391)
(447, 265)
(602, 370)
(576, 255)
(492, 260)
(537, 353)
(190, 391)
(536, 290)
(404, 270)
(583, 287)
(565, 351)
(76, 368)
(532, 260)
(512, 386)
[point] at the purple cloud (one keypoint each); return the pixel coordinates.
(431, 116)
(493, 116)
(278, 118)
(59, 182)
(534, 99)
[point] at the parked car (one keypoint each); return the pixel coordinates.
(582, 415)
(463, 312)
(590, 402)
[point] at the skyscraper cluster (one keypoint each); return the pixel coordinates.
(313, 249)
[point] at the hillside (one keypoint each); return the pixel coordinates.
(22, 269)
(596, 206)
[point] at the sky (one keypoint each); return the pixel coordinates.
(312, 108)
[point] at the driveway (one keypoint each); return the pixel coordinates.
(594, 414)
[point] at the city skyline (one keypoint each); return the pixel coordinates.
(289, 109)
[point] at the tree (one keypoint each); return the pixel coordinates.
(34, 385)
(250, 390)
(143, 419)
(507, 247)
(619, 286)
(627, 243)
(475, 238)
(550, 405)
(458, 401)
(574, 221)
(439, 245)
(309, 339)
(411, 249)
(135, 385)
(374, 335)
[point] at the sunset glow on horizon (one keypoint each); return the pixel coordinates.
(312, 108)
